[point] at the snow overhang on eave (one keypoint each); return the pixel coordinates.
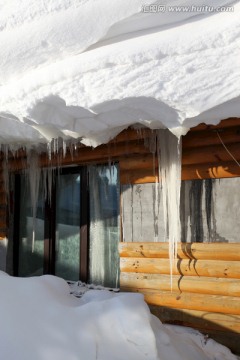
(84, 71)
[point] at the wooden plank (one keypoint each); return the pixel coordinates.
(138, 176)
(132, 134)
(229, 339)
(86, 155)
(3, 222)
(204, 251)
(210, 154)
(183, 267)
(224, 328)
(202, 138)
(136, 161)
(200, 319)
(199, 285)
(205, 171)
(3, 198)
(225, 123)
(189, 172)
(145, 161)
(192, 301)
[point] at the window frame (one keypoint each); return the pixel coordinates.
(50, 223)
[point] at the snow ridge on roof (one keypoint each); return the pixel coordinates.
(88, 69)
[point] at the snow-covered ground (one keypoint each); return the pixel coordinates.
(41, 320)
(89, 68)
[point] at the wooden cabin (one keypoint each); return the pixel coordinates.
(205, 290)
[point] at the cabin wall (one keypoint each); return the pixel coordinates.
(204, 292)
(206, 279)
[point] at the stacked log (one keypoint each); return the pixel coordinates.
(205, 284)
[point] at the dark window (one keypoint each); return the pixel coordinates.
(74, 232)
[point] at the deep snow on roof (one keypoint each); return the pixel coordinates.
(87, 68)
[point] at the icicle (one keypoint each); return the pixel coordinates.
(151, 143)
(122, 218)
(64, 148)
(48, 178)
(71, 150)
(132, 211)
(34, 173)
(49, 150)
(169, 156)
(209, 183)
(156, 208)
(6, 169)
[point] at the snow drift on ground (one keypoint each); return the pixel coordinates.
(41, 320)
(89, 68)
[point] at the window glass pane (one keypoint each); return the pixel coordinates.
(104, 225)
(68, 227)
(31, 239)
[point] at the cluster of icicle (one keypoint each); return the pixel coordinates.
(169, 164)
(169, 152)
(163, 143)
(34, 172)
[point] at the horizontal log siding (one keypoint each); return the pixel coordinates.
(182, 284)
(203, 155)
(187, 267)
(205, 287)
(224, 328)
(192, 251)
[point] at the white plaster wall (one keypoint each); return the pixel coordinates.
(142, 213)
(210, 211)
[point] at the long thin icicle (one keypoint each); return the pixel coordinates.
(169, 156)
(34, 173)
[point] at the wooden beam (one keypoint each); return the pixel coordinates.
(210, 137)
(182, 267)
(192, 301)
(210, 154)
(193, 284)
(137, 164)
(215, 170)
(194, 251)
(224, 328)
(143, 161)
(226, 123)
(189, 172)
(103, 154)
(133, 134)
(202, 320)
(142, 176)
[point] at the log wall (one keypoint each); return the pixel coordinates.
(205, 289)
(203, 154)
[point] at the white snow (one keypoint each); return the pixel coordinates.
(87, 68)
(41, 320)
